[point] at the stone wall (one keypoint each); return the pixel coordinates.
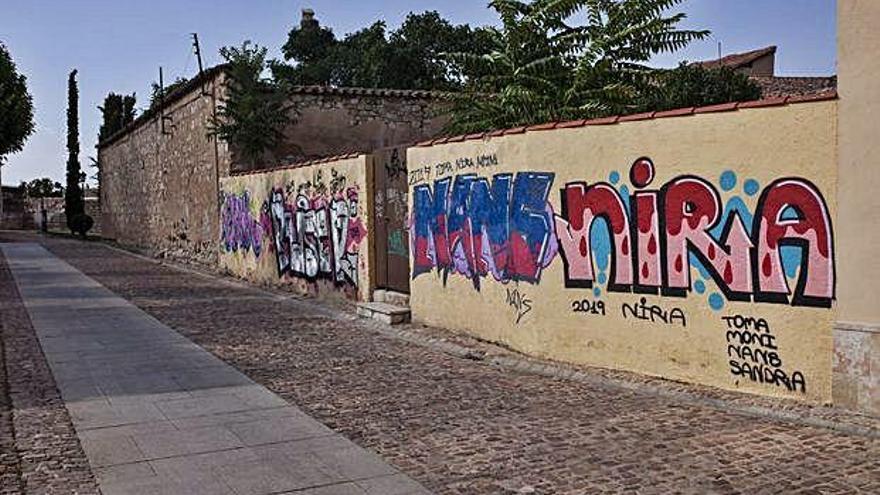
(15, 213)
(160, 190)
(159, 187)
(332, 121)
(56, 219)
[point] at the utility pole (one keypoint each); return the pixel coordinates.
(198, 51)
(162, 101)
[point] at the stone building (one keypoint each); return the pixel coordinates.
(160, 175)
(760, 66)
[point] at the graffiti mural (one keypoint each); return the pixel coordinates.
(700, 249)
(240, 230)
(654, 237)
(470, 227)
(316, 231)
(648, 241)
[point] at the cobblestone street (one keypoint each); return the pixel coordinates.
(457, 425)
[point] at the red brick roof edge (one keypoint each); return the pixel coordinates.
(618, 119)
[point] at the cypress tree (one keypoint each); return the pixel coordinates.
(74, 207)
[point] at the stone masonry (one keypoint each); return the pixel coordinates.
(160, 182)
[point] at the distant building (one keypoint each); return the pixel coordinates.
(760, 66)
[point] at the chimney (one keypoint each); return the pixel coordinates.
(308, 20)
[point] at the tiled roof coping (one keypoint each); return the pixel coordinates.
(679, 112)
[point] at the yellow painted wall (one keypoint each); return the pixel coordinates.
(858, 67)
(760, 144)
(857, 335)
(247, 221)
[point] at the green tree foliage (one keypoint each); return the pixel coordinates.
(16, 107)
(410, 57)
(43, 188)
(312, 47)
(157, 94)
(566, 59)
(117, 112)
(694, 86)
(417, 49)
(73, 198)
(255, 110)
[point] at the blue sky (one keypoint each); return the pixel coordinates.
(118, 45)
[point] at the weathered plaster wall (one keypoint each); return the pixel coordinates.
(857, 334)
(159, 191)
(306, 227)
(504, 245)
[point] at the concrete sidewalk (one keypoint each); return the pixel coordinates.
(156, 413)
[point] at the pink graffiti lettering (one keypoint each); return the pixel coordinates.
(676, 222)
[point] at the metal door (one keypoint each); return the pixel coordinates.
(392, 234)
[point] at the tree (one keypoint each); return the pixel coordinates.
(116, 112)
(16, 107)
(691, 85)
(362, 58)
(74, 206)
(311, 46)
(409, 57)
(43, 188)
(157, 94)
(255, 110)
(416, 51)
(544, 67)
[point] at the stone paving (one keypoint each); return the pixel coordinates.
(155, 413)
(39, 449)
(461, 426)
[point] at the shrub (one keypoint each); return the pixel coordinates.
(81, 224)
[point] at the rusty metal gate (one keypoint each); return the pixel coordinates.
(392, 234)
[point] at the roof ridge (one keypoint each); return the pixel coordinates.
(736, 60)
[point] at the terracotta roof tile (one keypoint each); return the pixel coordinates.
(674, 113)
(542, 127)
(571, 123)
(723, 107)
(827, 95)
(737, 60)
(636, 116)
(603, 120)
(769, 102)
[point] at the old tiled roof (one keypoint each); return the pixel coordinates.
(774, 87)
(737, 60)
(337, 91)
